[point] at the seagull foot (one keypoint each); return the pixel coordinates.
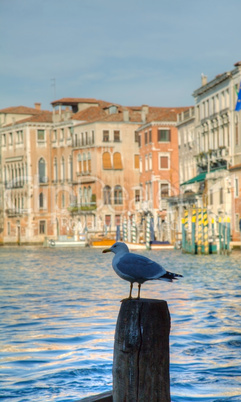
(127, 298)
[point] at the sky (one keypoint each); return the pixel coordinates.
(131, 52)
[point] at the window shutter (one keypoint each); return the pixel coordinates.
(137, 162)
(106, 160)
(117, 160)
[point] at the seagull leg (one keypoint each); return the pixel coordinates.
(129, 297)
(131, 286)
(139, 290)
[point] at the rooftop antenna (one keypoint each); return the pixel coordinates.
(53, 84)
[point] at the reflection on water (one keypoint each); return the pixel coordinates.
(58, 310)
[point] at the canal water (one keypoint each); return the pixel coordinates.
(58, 310)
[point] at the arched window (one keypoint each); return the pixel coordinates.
(118, 196)
(41, 200)
(85, 195)
(80, 163)
(89, 194)
(55, 170)
(84, 164)
(80, 196)
(89, 162)
(106, 160)
(70, 168)
(62, 169)
(107, 195)
(117, 162)
(42, 170)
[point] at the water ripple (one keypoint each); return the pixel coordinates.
(58, 311)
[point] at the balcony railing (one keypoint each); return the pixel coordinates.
(75, 208)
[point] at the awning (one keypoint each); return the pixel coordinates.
(199, 177)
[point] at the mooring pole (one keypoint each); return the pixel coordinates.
(141, 352)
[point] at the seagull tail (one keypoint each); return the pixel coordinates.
(169, 276)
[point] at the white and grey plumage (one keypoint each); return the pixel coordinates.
(137, 268)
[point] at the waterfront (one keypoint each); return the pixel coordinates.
(58, 311)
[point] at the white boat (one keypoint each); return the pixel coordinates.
(65, 241)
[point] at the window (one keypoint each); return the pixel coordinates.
(55, 170)
(146, 137)
(42, 171)
(237, 228)
(93, 137)
(9, 229)
(211, 196)
(164, 162)
(41, 200)
(108, 220)
(62, 134)
(137, 138)
(221, 195)
(136, 161)
(236, 189)
(20, 136)
(106, 136)
(42, 227)
(106, 161)
(40, 135)
(164, 190)
(146, 163)
(150, 161)
(70, 168)
(150, 136)
(89, 162)
(107, 195)
(116, 136)
(118, 199)
(84, 164)
(117, 220)
(164, 135)
(137, 195)
(80, 163)
(117, 163)
(62, 169)
(55, 135)
(3, 140)
(236, 134)
(63, 200)
(10, 138)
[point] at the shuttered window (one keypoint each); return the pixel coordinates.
(106, 160)
(137, 161)
(164, 162)
(117, 161)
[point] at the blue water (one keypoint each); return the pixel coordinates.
(58, 310)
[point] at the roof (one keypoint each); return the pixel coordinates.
(235, 167)
(20, 110)
(42, 117)
(76, 101)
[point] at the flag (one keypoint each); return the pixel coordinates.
(238, 104)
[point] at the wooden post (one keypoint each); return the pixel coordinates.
(141, 352)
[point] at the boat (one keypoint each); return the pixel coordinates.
(65, 241)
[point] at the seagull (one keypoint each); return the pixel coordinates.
(137, 268)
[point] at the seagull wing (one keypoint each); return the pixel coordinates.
(139, 267)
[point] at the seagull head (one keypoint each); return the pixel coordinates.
(117, 247)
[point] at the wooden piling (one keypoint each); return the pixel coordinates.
(141, 352)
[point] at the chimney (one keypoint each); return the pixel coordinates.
(126, 115)
(37, 106)
(144, 112)
(204, 79)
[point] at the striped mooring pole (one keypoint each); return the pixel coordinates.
(205, 231)
(124, 230)
(148, 224)
(193, 228)
(220, 234)
(228, 235)
(200, 232)
(133, 231)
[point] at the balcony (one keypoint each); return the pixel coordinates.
(84, 207)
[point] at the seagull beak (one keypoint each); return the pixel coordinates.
(107, 250)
